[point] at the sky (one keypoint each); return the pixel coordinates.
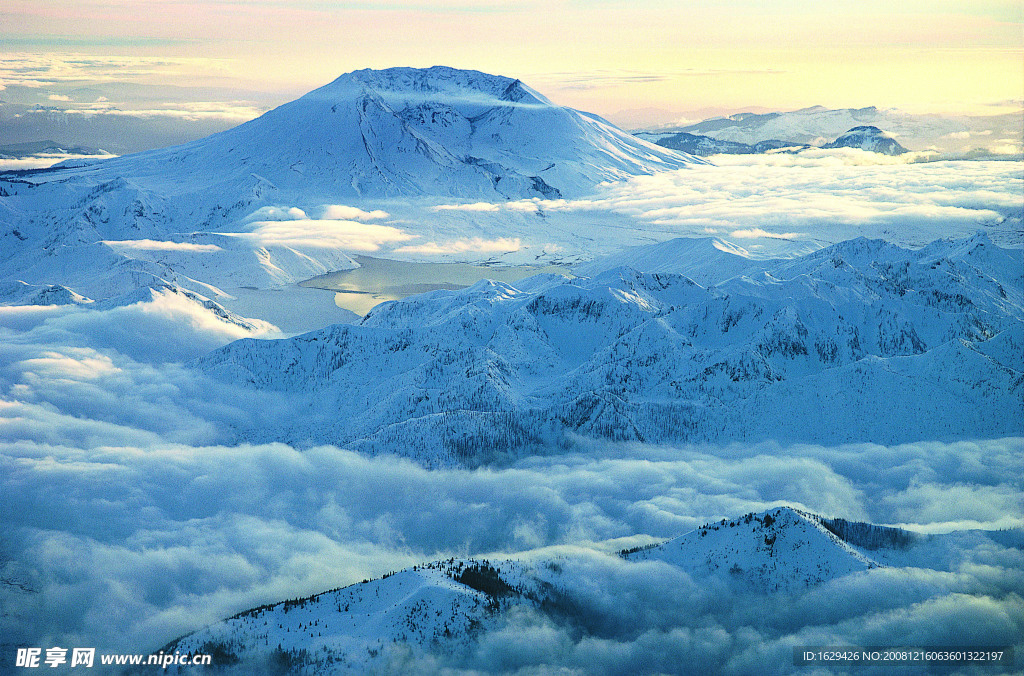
(630, 61)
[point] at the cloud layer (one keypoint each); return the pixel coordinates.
(131, 518)
(812, 198)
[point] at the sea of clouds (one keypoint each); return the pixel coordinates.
(781, 203)
(130, 517)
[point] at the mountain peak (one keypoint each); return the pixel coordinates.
(868, 137)
(407, 132)
(440, 84)
(781, 548)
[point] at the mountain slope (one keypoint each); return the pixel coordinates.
(707, 261)
(440, 606)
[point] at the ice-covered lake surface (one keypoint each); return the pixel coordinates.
(377, 280)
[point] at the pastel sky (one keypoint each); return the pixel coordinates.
(607, 56)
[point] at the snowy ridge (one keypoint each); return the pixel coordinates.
(444, 607)
(158, 291)
(707, 261)
(889, 344)
(19, 293)
(439, 606)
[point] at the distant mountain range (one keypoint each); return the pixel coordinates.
(703, 146)
(865, 137)
(47, 147)
(815, 126)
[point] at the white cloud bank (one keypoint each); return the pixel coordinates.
(327, 234)
(162, 245)
(816, 197)
(339, 227)
(472, 244)
(130, 516)
(346, 213)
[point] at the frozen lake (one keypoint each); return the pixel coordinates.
(380, 279)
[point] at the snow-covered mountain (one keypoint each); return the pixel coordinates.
(444, 608)
(706, 260)
(404, 131)
(888, 344)
(867, 137)
(397, 132)
(19, 293)
(196, 214)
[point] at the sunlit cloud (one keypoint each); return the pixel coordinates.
(346, 213)
(276, 213)
(44, 160)
(340, 227)
(473, 244)
(39, 70)
(755, 233)
(820, 195)
(230, 111)
(327, 234)
(474, 206)
(75, 365)
(527, 206)
(153, 245)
